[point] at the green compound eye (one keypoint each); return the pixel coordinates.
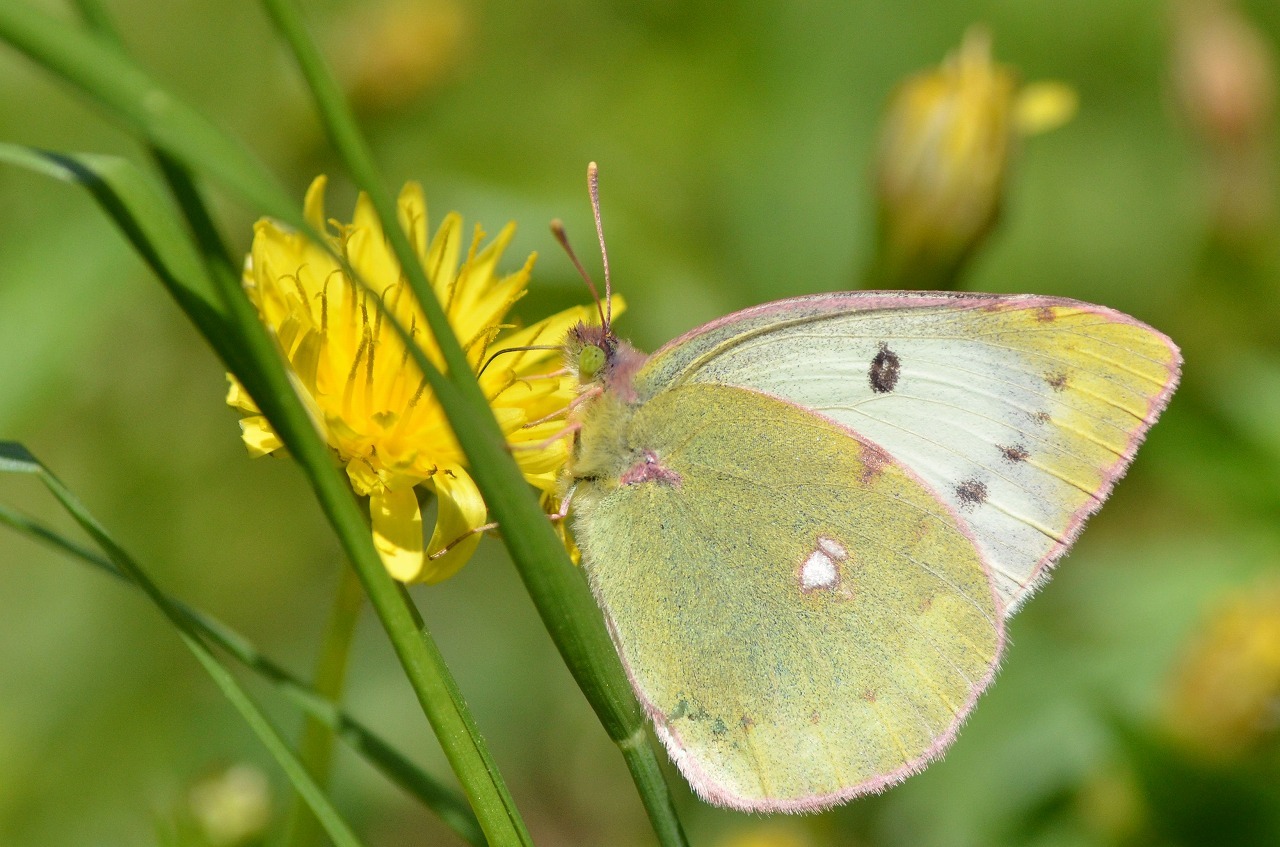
(590, 361)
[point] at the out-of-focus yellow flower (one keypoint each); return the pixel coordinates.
(233, 806)
(395, 50)
(944, 152)
(1226, 695)
(1111, 804)
(366, 393)
(769, 835)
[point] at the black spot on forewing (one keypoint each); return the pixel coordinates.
(1016, 453)
(884, 370)
(1057, 381)
(971, 493)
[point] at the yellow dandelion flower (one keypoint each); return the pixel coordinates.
(368, 396)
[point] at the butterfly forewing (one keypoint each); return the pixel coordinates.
(804, 619)
(1020, 411)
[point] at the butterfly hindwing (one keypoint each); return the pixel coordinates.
(804, 619)
(1020, 411)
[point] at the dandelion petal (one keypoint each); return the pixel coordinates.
(258, 436)
(461, 512)
(397, 532)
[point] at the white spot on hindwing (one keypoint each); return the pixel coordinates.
(821, 568)
(819, 571)
(832, 548)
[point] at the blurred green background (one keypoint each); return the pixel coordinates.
(735, 142)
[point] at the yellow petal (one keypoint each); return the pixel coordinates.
(479, 291)
(258, 436)
(412, 212)
(367, 248)
(365, 215)
(397, 532)
(442, 258)
(238, 398)
(461, 512)
(485, 263)
(364, 479)
(313, 206)
(510, 419)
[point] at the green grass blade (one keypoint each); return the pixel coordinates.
(98, 68)
(96, 17)
(315, 748)
(14, 458)
(130, 197)
(450, 807)
(556, 587)
(138, 207)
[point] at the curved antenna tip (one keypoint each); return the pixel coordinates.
(593, 187)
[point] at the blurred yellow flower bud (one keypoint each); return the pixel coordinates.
(944, 151)
(396, 50)
(1225, 699)
(1111, 805)
(1224, 75)
(233, 806)
(769, 835)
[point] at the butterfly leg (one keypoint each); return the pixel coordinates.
(573, 404)
(544, 444)
(549, 375)
(563, 512)
(455, 542)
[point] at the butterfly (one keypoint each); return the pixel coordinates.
(807, 523)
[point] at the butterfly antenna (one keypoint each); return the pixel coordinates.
(593, 184)
(557, 230)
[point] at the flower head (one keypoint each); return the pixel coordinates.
(1225, 700)
(367, 394)
(945, 149)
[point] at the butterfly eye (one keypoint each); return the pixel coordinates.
(590, 361)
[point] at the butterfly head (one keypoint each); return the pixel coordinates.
(589, 351)
(601, 360)
(593, 352)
